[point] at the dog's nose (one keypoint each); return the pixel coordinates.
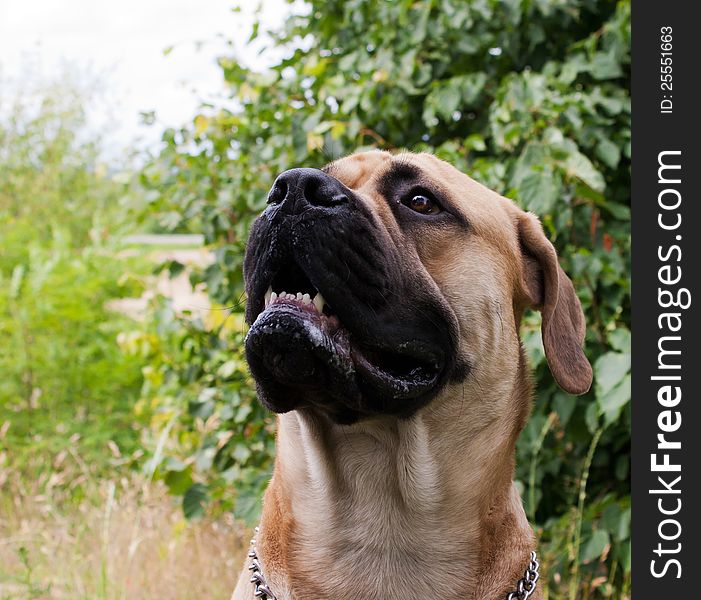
(298, 188)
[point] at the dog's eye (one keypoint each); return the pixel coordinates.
(422, 203)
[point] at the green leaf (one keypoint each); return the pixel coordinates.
(447, 100)
(605, 65)
(457, 93)
(178, 482)
(617, 521)
(609, 153)
(418, 32)
(625, 556)
(248, 506)
(175, 268)
(620, 339)
(579, 166)
(194, 501)
(612, 402)
(539, 192)
(595, 545)
(622, 467)
(241, 453)
(202, 409)
(254, 31)
(591, 417)
(533, 344)
(475, 142)
(618, 211)
(227, 369)
(242, 413)
(609, 370)
(533, 157)
(204, 458)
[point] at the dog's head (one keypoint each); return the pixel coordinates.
(374, 283)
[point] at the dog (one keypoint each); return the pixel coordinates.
(385, 293)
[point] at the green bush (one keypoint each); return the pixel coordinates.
(201, 401)
(64, 377)
(529, 97)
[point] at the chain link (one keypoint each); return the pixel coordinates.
(262, 590)
(526, 585)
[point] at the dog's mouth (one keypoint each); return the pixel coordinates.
(299, 342)
(343, 319)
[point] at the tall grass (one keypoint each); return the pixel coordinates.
(124, 539)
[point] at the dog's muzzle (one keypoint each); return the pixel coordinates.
(339, 319)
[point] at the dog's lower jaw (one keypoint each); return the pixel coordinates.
(414, 507)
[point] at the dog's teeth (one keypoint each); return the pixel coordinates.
(319, 302)
(268, 296)
(299, 295)
(273, 297)
(306, 298)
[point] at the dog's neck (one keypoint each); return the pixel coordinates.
(424, 507)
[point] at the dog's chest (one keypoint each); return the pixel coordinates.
(386, 531)
(404, 566)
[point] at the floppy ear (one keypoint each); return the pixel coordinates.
(549, 290)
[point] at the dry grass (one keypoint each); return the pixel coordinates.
(124, 539)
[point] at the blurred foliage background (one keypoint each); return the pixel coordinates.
(58, 270)
(530, 97)
(78, 519)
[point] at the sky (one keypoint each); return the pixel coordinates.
(120, 45)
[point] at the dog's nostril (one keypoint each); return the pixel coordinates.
(298, 188)
(278, 192)
(319, 194)
(314, 192)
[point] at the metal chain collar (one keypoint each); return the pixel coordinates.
(257, 578)
(524, 588)
(526, 585)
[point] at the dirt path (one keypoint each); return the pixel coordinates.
(178, 289)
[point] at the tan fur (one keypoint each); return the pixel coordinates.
(425, 508)
(563, 321)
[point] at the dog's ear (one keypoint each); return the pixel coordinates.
(548, 289)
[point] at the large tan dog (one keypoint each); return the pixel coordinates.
(395, 363)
